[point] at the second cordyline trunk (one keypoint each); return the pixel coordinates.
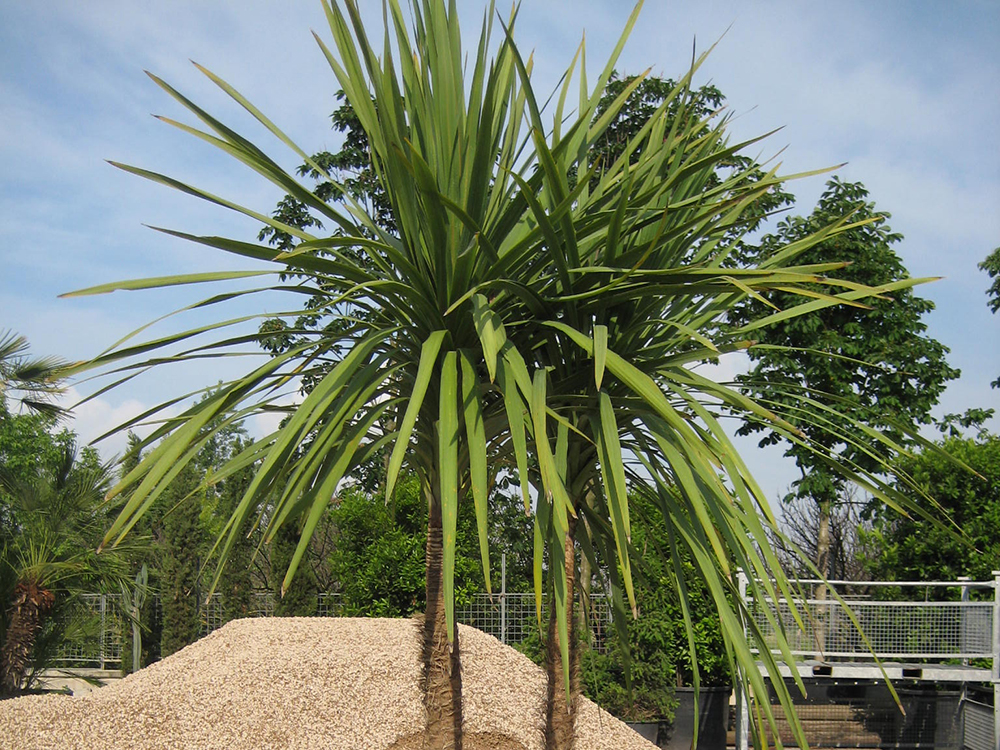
(560, 709)
(442, 675)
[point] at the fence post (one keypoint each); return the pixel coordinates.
(963, 618)
(503, 598)
(104, 628)
(742, 701)
(995, 672)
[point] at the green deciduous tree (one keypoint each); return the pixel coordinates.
(873, 361)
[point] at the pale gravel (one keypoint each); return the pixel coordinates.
(316, 683)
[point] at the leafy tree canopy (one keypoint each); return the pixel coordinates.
(916, 551)
(874, 361)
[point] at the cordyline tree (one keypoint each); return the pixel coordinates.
(527, 303)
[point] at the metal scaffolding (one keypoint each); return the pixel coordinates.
(871, 632)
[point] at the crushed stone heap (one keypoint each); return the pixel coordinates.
(298, 683)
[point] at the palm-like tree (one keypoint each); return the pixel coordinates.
(49, 556)
(31, 381)
(415, 342)
(515, 305)
(644, 265)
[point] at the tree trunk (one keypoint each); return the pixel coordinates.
(560, 716)
(823, 564)
(29, 605)
(442, 678)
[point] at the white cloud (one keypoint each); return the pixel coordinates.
(97, 416)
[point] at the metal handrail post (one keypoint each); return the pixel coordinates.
(995, 672)
(503, 598)
(963, 627)
(104, 628)
(742, 701)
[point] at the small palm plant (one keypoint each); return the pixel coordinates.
(50, 558)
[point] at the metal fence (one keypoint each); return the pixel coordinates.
(977, 725)
(958, 622)
(511, 618)
(97, 628)
(98, 634)
(915, 630)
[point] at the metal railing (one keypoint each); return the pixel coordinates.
(98, 626)
(952, 626)
(511, 618)
(898, 629)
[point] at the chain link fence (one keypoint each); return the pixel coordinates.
(511, 618)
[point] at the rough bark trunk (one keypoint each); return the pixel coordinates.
(442, 683)
(560, 716)
(29, 605)
(823, 564)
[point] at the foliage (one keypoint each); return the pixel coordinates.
(378, 555)
(910, 550)
(992, 267)
(848, 525)
(874, 361)
(48, 558)
(236, 583)
(181, 563)
(27, 445)
(652, 695)
(32, 382)
(297, 597)
(645, 96)
(149, 531)
(870, 364)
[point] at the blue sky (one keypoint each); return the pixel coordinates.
(905, 92)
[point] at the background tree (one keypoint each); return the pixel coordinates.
(909, 550)
(49, 557)
(183, 545)
(499, 270)
(32, 382)
(872, 361)
(645, 96)
(377, 554)
(299, 597)
(849, 523)
(149, 534)
(236, 584)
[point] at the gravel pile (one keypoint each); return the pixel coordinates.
(317, 683)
